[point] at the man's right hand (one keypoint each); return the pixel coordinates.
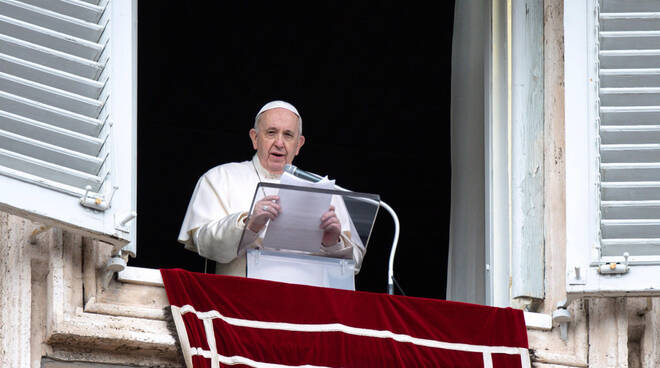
(267, 208)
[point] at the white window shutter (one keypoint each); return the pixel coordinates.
(68, 114)
(612, 70)
(629, 92)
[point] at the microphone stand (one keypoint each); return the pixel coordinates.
(293, 170)
(395, 218)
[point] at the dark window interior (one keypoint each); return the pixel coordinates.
(372, 84)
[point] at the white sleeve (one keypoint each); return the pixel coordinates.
(210, 227)
(218, 240)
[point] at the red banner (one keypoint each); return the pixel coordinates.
(227, 321)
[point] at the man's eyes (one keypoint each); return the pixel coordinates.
(273, 133)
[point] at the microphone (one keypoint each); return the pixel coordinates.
(302, 174)
(305, 175)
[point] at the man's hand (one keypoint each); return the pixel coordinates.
(331, 227)
(265, 209)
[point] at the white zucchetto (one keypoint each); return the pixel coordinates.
(276, 104)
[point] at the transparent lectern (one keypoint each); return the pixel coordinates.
(289, 247)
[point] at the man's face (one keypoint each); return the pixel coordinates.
(278, 140)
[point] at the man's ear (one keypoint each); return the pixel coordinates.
(301, 141)
(253, 137)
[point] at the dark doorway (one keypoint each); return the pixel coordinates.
(372, 84)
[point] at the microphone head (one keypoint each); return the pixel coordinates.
(291, 169)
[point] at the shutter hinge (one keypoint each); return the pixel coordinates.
(615, 267)
(97, 203)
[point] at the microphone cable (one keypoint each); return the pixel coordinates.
(395, 242)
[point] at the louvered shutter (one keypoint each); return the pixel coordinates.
(629, 129)
(68, 113)
(612, 147)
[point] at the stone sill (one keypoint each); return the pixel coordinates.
(152, 277)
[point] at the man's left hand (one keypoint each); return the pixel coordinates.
(331, 227)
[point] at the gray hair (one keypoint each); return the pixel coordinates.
(258, 118)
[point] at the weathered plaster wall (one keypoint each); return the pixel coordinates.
(58, 305)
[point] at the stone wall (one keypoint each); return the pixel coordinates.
(58, 301)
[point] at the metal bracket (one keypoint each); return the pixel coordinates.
(615, 267)
(562, 316)
(116, 264)
(578, 276)
(98, 203)
(122, 219)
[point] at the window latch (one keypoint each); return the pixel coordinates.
(615, 267)
(98, 203)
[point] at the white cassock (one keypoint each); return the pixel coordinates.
(219, 205)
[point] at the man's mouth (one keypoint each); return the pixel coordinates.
(277, 155)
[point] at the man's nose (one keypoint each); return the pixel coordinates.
(279, 140)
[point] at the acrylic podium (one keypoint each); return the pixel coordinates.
(289, 248)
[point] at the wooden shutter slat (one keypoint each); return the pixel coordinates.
(630, 78)
(644, 96)
(630, 209)
(49, 38)
(633, 58)
(630, 191)
(46, 170)
(628, 6)
(630, 152)
(630, 171)
(51, 20)
(73, 8)
(51, 77)
(53, 115)
(631, 228)
(51, 96)
(626, 134)
(632, 246)
(622, 40)
(50, 134)
(51, 58)
(50, 153)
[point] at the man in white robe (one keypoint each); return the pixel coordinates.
(218, 210)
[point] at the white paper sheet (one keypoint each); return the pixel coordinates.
(297, 226)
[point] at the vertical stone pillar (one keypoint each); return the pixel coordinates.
(15, 291)
(554, 214)
(650, 344)
(608, 333)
